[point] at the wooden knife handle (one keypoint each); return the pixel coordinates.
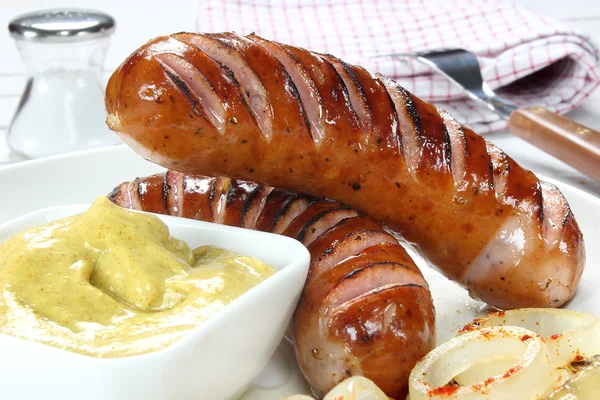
(576, 145)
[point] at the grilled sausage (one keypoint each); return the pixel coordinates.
(365, 310)
(249, 108)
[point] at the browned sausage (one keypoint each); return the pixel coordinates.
(248, 108)
(365, 310)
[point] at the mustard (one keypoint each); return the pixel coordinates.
(113, 283)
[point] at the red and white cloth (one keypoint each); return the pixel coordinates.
(532, 58)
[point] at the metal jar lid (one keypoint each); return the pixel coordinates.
(61, 25)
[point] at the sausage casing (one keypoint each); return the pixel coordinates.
(248, 108)
(365, 310)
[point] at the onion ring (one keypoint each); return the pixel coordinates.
(569, 335)
(524, 353)
(584, 384)
(530, 376)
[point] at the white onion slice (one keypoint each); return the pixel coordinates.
(521, 353)
(569, 335)
(530, 376)
(583, 385)
(354, 388)
(481, 371)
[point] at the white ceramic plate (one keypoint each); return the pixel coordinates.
(80, 177)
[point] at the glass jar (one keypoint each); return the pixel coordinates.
(62, 107)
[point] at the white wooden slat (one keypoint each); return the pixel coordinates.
(12, 85)
(11, 60)
(4, 151)
(6, 156)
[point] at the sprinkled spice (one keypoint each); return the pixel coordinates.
(555, 336)
(512, 371)
(486, 335)
(443, 391)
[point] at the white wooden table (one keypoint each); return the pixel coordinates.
(138, 21)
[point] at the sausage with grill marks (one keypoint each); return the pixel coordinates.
(365, 309)
(249, 108)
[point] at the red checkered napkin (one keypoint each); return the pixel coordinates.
(529, 57)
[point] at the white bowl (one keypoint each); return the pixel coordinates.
(215, 361)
